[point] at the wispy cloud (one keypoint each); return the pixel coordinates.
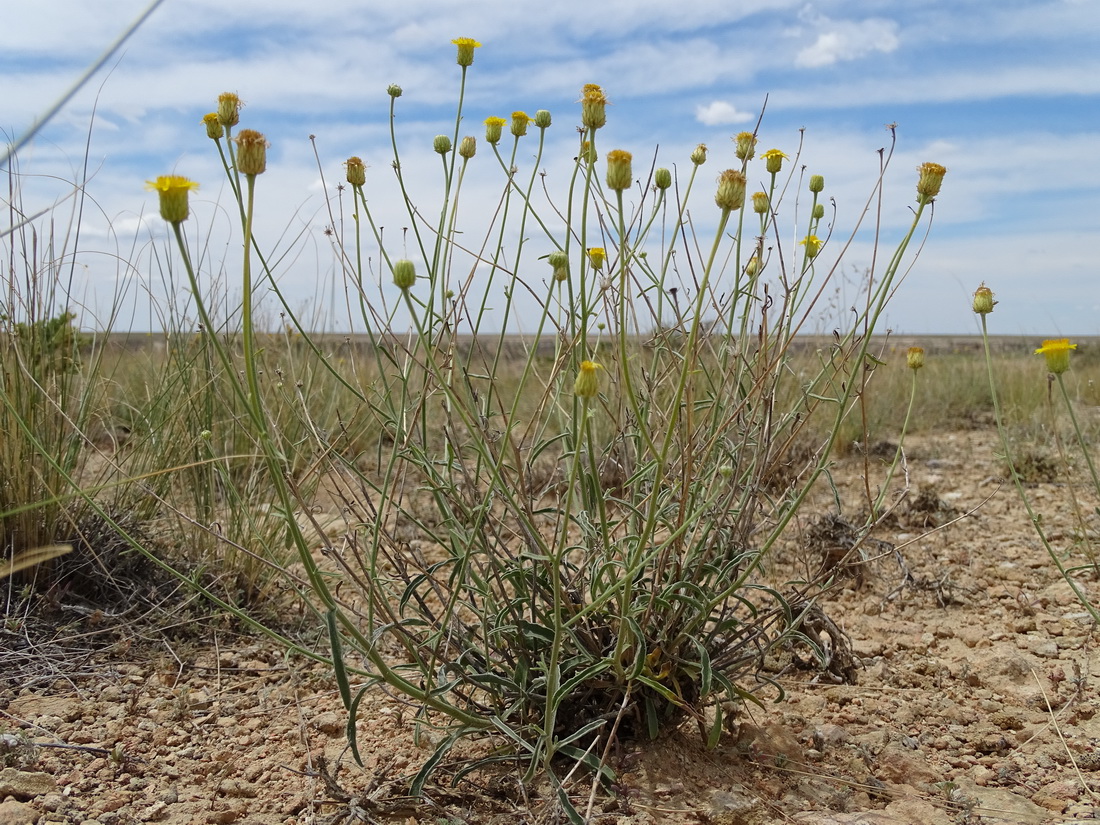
(843, 40)
(720, 112)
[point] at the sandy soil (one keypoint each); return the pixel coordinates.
(975, 701)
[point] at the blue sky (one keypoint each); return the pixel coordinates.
(1006, 95)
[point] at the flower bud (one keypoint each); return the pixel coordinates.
(229, 109)
(466, 46)
(596, 256)
(620, 176)
(1057, 354)
(493, 127)
(593, 106)
(251, 152)
(543, 119)
(588, 380)
(356, 171)
(931, 178)
(731, 190)
(467, 148)
(746, 145)
(404, 274)
(519, 123)
(662, 178)
(817, 183)
(214, 128)
(441, 144)
(172, 191)
(773, 159)
(914, 358)
(819, 211)
(752, 267)
(560, 262)
(983, 300)
(760, 203)
(393, 90)
(699, 156)
(588, 154)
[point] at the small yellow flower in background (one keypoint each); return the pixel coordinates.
(929, 182)
(214, 128)
(620, 176)
(173, 191)
(466, 46)
(773, 159)
(543, 119)
(983, 300)
(817, 183)
(914, 358)
(1056, 351)
(356, 171)
(493, 127)
(596, 256)
(760, 203)
(441, 144)
(593, 106)
(588, 380)
(746, 145)
(731, 190)
(229, 109)
(662, 178)
(251, 152)
(813, 245)
(467, 148)
(404, 274)
(699, 156)
(519, 123)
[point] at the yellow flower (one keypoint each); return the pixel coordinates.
(731, 190)
(774, 160)
(596, 256)
(493, 126)
(229, 109)
(760, 203)
(746, 145)
(214, 129)
(588, 380)
(173, 191)
(251, 152)
(983, 300)
(619, 173)
(519, 123)
(466, 46)
(931, 178)
(593, 106)
(1056, 351)
(914, 358)
(813, 245)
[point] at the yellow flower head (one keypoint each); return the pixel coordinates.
(214, 128)
(588, 380)
(593, 106)
(251, 152)
(929, 182)
(983, 300)
(813, 245)
(466, 46)
(619, 173)
(1056, 351)
(356, 171)
(493, 127)
(173, 191)
(731, 190)
(774, 160)
(596, 256)
(229, 108)
(914, 358)
(519, 123)
(760, 204)
(746, 145)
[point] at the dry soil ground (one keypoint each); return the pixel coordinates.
(975, 700)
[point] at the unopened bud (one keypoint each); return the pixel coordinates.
(983, 300)
(619, 173)
(699, 156)
(251, 152)
(441, 144)
(746, 145)
(467, 148)
(731, 190)
(817, 183)
(356, 171)
(588, 380)
(543, 119)
(760, 203)
(662, 178)
(404, 274)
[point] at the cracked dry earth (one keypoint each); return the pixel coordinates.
(975, 701)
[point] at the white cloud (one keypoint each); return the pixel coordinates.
(848, 40)
(719, 112)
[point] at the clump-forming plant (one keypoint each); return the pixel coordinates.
(560, 537)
